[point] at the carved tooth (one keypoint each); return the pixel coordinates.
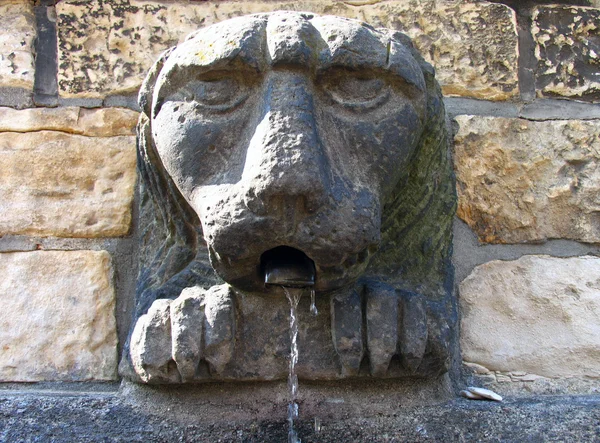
(346, 330)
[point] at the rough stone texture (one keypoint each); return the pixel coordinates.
(536, 315)
(567, 49)
(521, 383)
(58, 184)
(57, 320)
(293, 141)
(107, 47)
(105, 417)
(523, 181)
(104, 122)
(17, 35)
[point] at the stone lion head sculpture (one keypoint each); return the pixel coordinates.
(292, 135)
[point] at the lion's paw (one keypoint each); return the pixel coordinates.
(170, 340)
(380, 321)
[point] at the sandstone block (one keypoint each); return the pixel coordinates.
(567, 53)
(103, 122)
(17, 35)
(107, 47)
(57, 320)
(58, 184)
(522, 181)
(538, 314)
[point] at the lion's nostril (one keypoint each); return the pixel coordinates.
(287, 266)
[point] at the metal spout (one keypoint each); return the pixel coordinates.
(285, 266)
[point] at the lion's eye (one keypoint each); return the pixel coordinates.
(217, 93)
(357, 92)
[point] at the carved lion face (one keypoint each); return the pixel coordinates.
(288, 130)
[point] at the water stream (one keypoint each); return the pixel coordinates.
(293, 295)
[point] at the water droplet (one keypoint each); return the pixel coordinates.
(313, 306)
(317, 425)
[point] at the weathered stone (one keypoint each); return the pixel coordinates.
(103, 122)
(567, 51)
(537, 314)
(57, 184)
(219, 327)
(347, 331)
(381, 326)
(187, 324)
(107, 47)
(521, 181)
(17, 35)
(151, 345)
(413, 333)
(339, 182)
(57, 320)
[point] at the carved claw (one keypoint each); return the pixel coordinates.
(346, 327)
(413, 330)
(150, 346)
(396, 323)
(187, 320)
(219, 327)
(382, 325)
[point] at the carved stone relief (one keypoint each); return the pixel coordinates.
(298, 150)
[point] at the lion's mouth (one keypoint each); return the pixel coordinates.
(286, 266)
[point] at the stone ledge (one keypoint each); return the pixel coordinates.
(115, 418)
(528, 181)
(536, 315)
(57, 320)
(107, 47)
(104, 122)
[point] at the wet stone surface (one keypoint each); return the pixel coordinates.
(567, 51)
(99, 418)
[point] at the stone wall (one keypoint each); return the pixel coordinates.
(521, 81)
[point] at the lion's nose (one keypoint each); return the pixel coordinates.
(285, 163)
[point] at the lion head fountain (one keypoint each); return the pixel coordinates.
(292, 143)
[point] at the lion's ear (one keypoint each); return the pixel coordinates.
(426, 67)
(147, 88)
